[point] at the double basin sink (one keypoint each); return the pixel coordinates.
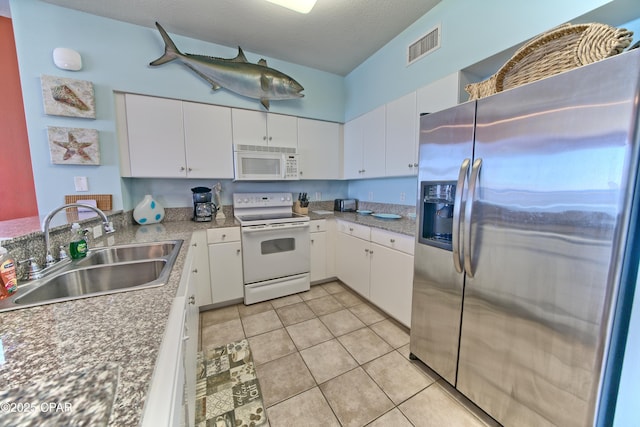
(104, 271)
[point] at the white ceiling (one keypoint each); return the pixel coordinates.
(336, 36)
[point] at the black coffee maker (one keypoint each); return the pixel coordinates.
(203, 208)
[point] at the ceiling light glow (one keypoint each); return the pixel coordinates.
(302, 6)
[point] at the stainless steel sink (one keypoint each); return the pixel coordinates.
(104, 271)
(95, 280)
(127, 253)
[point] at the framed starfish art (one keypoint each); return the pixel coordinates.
(74, 146)
(68, 97)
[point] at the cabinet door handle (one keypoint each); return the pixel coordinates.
(194, 244)
(237, 251)
(190, 170)
(181, 168)
(366, 250)
(312, 241)
(415, 165)
(224, 236)
(270, 138)
(410, 165)
(392, 240)
(195, 270)
(264, 138)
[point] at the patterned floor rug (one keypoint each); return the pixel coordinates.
(227, 390)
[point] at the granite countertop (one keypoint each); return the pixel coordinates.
(404, 225)
(56, 353)
(93, 358)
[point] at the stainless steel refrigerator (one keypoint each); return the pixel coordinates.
(524, 251)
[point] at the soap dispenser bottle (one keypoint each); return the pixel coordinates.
(8, 278)
(78, 246)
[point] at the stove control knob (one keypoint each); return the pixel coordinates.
(246, 200)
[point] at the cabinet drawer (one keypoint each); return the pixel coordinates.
(318, 225)
(355, 230)
(222, 235)
(391, 240)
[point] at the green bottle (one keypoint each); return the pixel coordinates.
(78, 247)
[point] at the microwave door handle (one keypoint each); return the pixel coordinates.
(468, 212)
(457, 207)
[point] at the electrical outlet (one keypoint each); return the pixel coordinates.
(403, 196)
(97, 231)
(370, 196)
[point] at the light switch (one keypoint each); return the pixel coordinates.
(81, 183)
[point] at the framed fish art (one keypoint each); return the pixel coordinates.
(68, 97)
(74, 146)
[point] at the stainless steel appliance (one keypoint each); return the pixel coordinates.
(260, 163)
(203, 208)
(524, 255)
(275, 246)
(345, 205)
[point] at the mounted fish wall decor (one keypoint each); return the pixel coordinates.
(238, 75)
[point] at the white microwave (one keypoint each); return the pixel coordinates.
(264, 163)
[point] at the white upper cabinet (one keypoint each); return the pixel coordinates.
(364, 145)
(208, 143)
(401, 136)
(174, 139)
(261, 128)
(319, 149)
(156, 137)
(444, 93)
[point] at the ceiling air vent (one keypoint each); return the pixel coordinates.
(424, 45)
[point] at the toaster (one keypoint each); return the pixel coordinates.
(345, 205)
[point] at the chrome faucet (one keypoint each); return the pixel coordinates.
(108, 226)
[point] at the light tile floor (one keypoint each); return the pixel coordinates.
(326, 357)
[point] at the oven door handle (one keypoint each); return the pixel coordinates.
(274, 227)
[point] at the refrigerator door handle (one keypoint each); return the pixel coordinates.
(468, 210)
(457, 206)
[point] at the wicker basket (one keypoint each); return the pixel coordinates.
(558, 50)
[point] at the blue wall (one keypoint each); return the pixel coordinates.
(116, 54)
(471, 32)
(115, 58)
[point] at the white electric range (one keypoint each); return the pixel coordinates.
(275, 246)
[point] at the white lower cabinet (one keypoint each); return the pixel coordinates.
(225, 265)
(353, 263)
(392, 273)
(172, 393)
(318, 253)
(201, 266)
(377, 264)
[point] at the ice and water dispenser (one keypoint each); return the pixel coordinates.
(436, 220)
